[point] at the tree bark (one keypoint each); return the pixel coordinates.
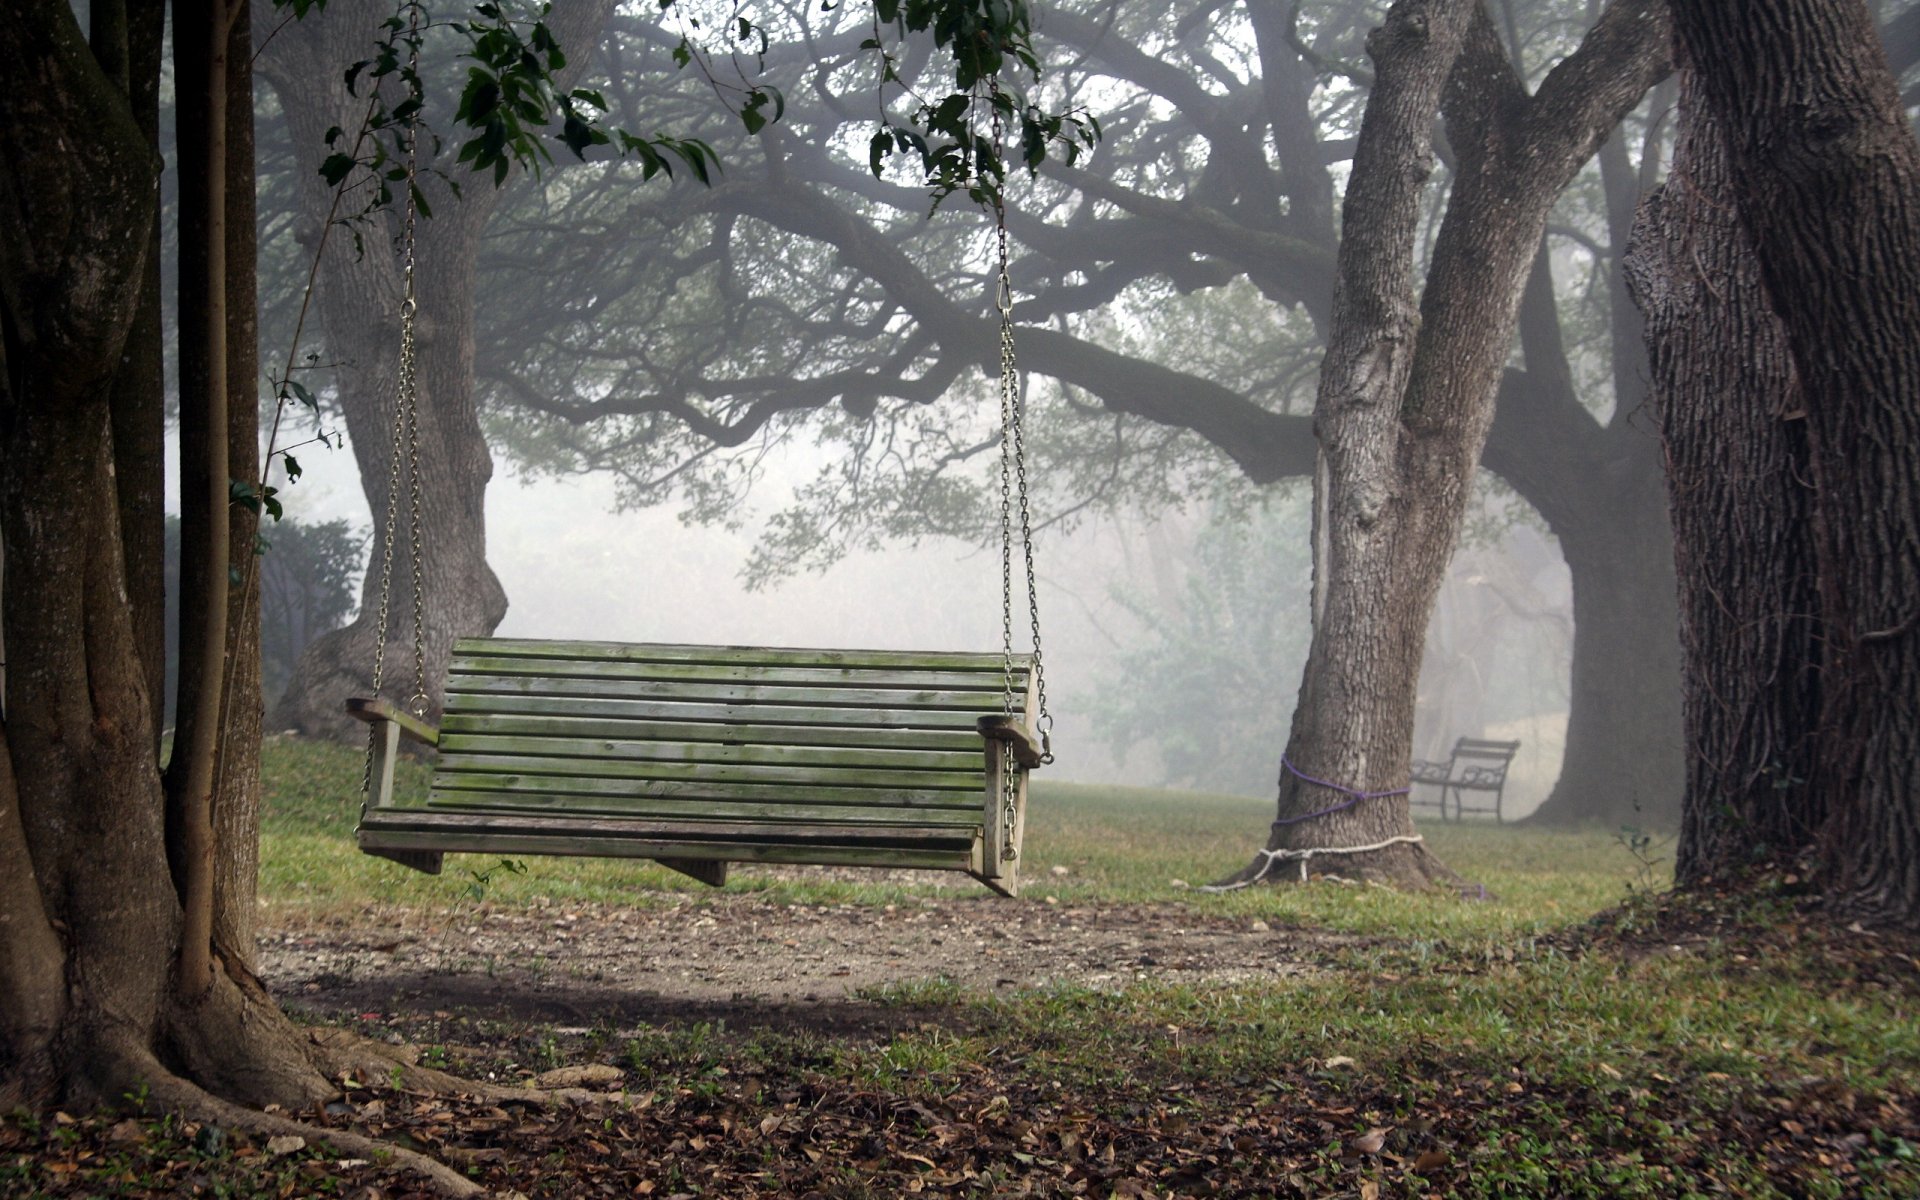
(1825, 173)
(360, 297)
(139, 387)
(1406, 401)
(1738, 464)
(92, 922)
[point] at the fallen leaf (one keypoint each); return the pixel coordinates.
(286, 1144)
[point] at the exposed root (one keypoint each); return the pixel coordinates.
(1404, 864)
(339, 1052)
(174, 1094)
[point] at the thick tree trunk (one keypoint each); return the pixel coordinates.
(1738, 473)
(360, 298)
(1406, 400)
(1599, 488)
(1826, 175)
(90, 1013)
(1623, 763)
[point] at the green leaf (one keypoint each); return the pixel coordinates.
(336, 168)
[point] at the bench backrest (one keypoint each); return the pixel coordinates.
(719, 733)
(1483, 761)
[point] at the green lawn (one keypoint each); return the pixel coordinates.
(1119, 845)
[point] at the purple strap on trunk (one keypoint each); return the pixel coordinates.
(1354, 795)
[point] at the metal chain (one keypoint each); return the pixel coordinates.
(405, 430)
(1013, 481)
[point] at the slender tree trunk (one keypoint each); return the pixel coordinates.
(1825, 173)
(236, 809)
(128, 36)
(200, 57)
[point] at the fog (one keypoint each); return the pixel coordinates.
(574, 568)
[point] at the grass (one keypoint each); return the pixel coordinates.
(1116, 845)
(1738, 1053)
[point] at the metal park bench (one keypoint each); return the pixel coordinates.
(1478, 767)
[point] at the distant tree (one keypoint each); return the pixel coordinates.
(307, 577)
(306, 588)
(1177, 291)
(1197, 684)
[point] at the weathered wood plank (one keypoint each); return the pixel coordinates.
(876, 679)
(939, 660)
(704, 828)
(562, 808)
(601, 845)
(375, 709)
(721, 692)
(736, 714)
(702, 774)
(631, 750)
(701, 734)
(621, 795)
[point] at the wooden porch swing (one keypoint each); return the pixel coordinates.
(701, 756)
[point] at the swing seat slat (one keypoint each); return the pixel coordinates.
(702, 755)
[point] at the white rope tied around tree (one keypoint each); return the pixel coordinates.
(1301, 856)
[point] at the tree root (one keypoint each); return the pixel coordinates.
(1407, 866)
(338, 1052)
(174, 1094)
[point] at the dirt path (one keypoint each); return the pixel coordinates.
(752, 959)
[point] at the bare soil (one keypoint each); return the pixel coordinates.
(751, 960)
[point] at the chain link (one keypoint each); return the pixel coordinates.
(405, 431)
(1013, 484)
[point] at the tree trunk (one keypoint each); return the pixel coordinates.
(122, 34)
(360, 307)
(1738, 470)
(235, 811)
(1825, 173)
(89, 1013)
(1623, 763)
(1406, 400)
(1599, 489)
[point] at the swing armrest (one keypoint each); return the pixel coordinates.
(1026, 749)
(375, 710)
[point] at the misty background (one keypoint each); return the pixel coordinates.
(1173, 589)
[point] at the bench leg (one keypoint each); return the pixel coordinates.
(710, 871)
(425, 861)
